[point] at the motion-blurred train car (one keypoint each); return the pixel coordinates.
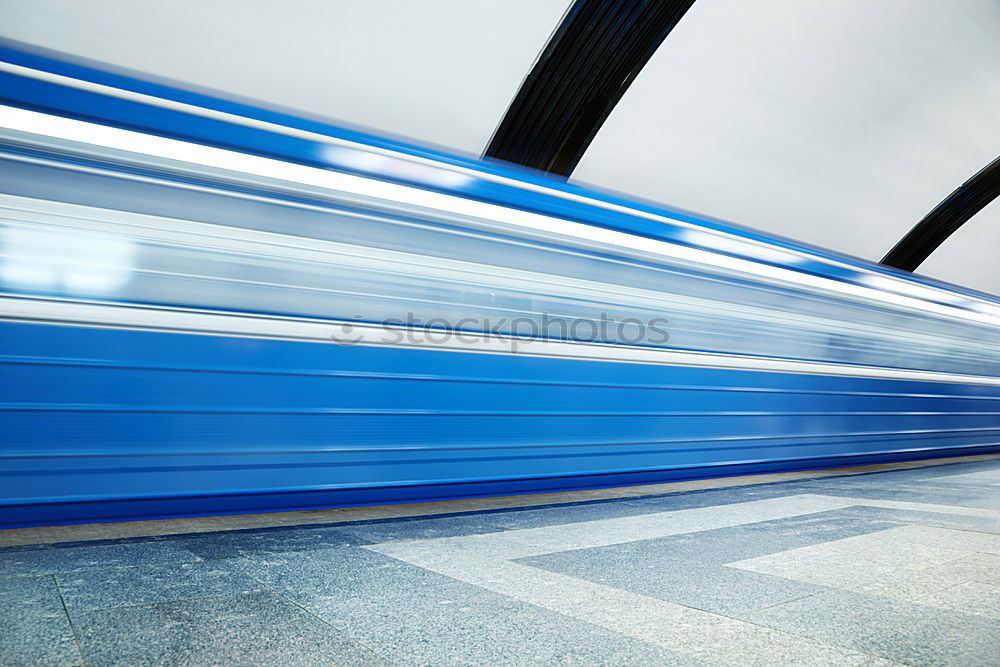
(212, 308)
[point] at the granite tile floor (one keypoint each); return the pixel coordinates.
(888, 567)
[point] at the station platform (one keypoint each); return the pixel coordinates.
(881, 565)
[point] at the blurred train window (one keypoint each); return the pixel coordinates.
(90, 228)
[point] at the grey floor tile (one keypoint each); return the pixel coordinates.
(971, 597)
(34, 629)
(706, 586)
(254, 629)
(913, 634)
(564, 514)
(725, 545)
(231, 544)
(343, 572)
(902, 584)
(948, 538)
(982, 568)
(426, 528)
(821, 526)
(709, 498)
(989, 477)
(958, 495)
(99, 589)
(940, 519)
(461, 624)
(53, 559)
(766, 537)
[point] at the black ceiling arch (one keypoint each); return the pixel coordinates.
(970, 198)
(586, 67)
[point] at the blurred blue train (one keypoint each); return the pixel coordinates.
(213, 308)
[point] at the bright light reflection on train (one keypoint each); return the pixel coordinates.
(734, 246)
(63, 261)
(384, 165)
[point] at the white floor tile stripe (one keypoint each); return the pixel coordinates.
(486, 561)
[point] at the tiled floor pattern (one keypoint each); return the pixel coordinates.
(888, 568)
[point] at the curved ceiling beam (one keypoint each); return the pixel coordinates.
(584, 70)
(970, 198)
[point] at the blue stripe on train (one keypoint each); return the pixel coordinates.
(103, 424)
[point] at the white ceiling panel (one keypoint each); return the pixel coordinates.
(970, 256)
(440, 71)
